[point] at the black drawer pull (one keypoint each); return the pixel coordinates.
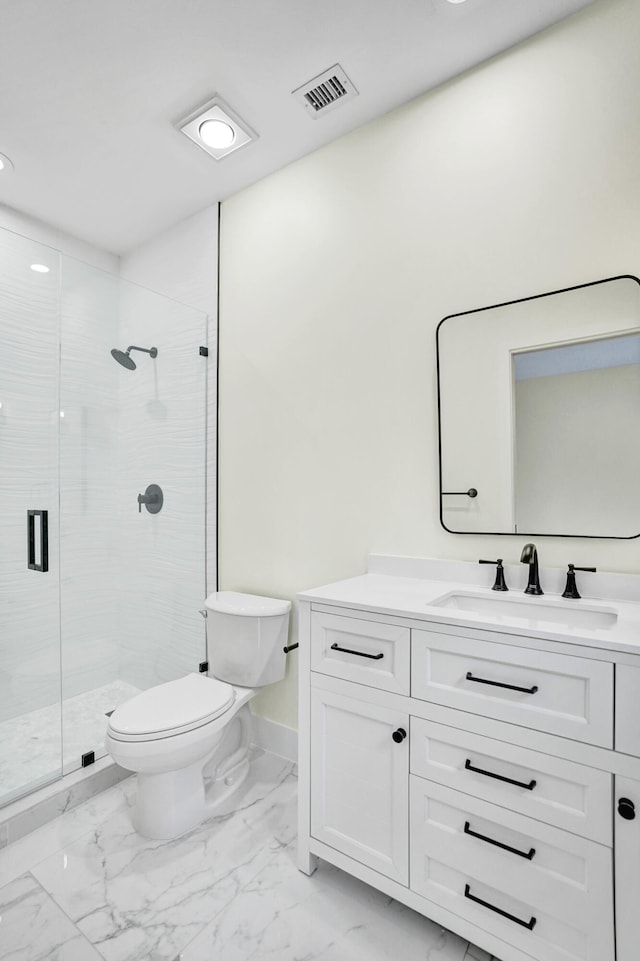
(530, 924)
(505, 847)
(499, 777)
(509, 687)
(345, 650)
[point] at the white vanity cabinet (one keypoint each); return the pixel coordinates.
(361, 781)
(473, 775)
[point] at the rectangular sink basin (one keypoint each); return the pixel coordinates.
(533, 611)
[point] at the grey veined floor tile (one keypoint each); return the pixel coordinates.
(227, 891)
(283, 915)
(141, 900)
(35, 929)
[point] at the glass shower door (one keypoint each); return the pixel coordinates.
(30, 710)
(132, 581)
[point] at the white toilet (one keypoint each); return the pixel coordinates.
(188, 740)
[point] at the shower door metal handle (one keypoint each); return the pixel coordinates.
(32, 563)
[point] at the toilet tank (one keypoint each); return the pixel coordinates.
(246, 635)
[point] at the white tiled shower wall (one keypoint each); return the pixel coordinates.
(28, 425)
(131, 583)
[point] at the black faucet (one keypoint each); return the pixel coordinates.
(499, 584)
(530, 556)
(571, 590)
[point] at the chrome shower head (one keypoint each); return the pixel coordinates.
(123, 356)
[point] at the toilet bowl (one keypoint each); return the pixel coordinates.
(188, 739)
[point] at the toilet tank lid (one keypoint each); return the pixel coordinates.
(247, 605)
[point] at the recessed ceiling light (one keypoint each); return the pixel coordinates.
(217, 129)
(217, 133)
(6, 165)
(456, 1)
(40, 268)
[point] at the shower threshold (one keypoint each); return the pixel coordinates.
(47, 803)
(30, 757)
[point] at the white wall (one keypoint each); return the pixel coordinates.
(518, 178)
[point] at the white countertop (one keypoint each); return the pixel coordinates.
(400, 594)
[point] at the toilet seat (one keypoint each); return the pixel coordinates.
(171, 708)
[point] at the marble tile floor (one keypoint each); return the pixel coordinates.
(86, 887)
(35, 738)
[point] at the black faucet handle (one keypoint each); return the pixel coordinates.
(499, 584)
(571, 589)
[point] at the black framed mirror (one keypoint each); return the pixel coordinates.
(538, 410)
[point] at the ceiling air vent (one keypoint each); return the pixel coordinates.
(328, 90)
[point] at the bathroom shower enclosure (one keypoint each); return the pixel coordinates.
(99, 597)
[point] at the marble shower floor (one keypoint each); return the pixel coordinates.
(34, 738)
(87, 888)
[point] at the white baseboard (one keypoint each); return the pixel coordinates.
(275, 738)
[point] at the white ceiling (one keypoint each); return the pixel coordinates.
(92, 89)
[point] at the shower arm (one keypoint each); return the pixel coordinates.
(153, 351)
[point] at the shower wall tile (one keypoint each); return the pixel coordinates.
(131, 581)
(181, 263)
(162, 441)
(19, 223)
(122, 594)
(28, 472)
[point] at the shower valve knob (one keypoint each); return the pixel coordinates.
(152, 499)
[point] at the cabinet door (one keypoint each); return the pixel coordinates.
(627, 867)
(360, 781)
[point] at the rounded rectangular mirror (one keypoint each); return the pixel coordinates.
(538, 404)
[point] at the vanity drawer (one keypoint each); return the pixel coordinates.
(627, 714)
(557, 693)
(551, 900)
(562, 793)
(355, 649)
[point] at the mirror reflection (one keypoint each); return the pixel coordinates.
(538, 407)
